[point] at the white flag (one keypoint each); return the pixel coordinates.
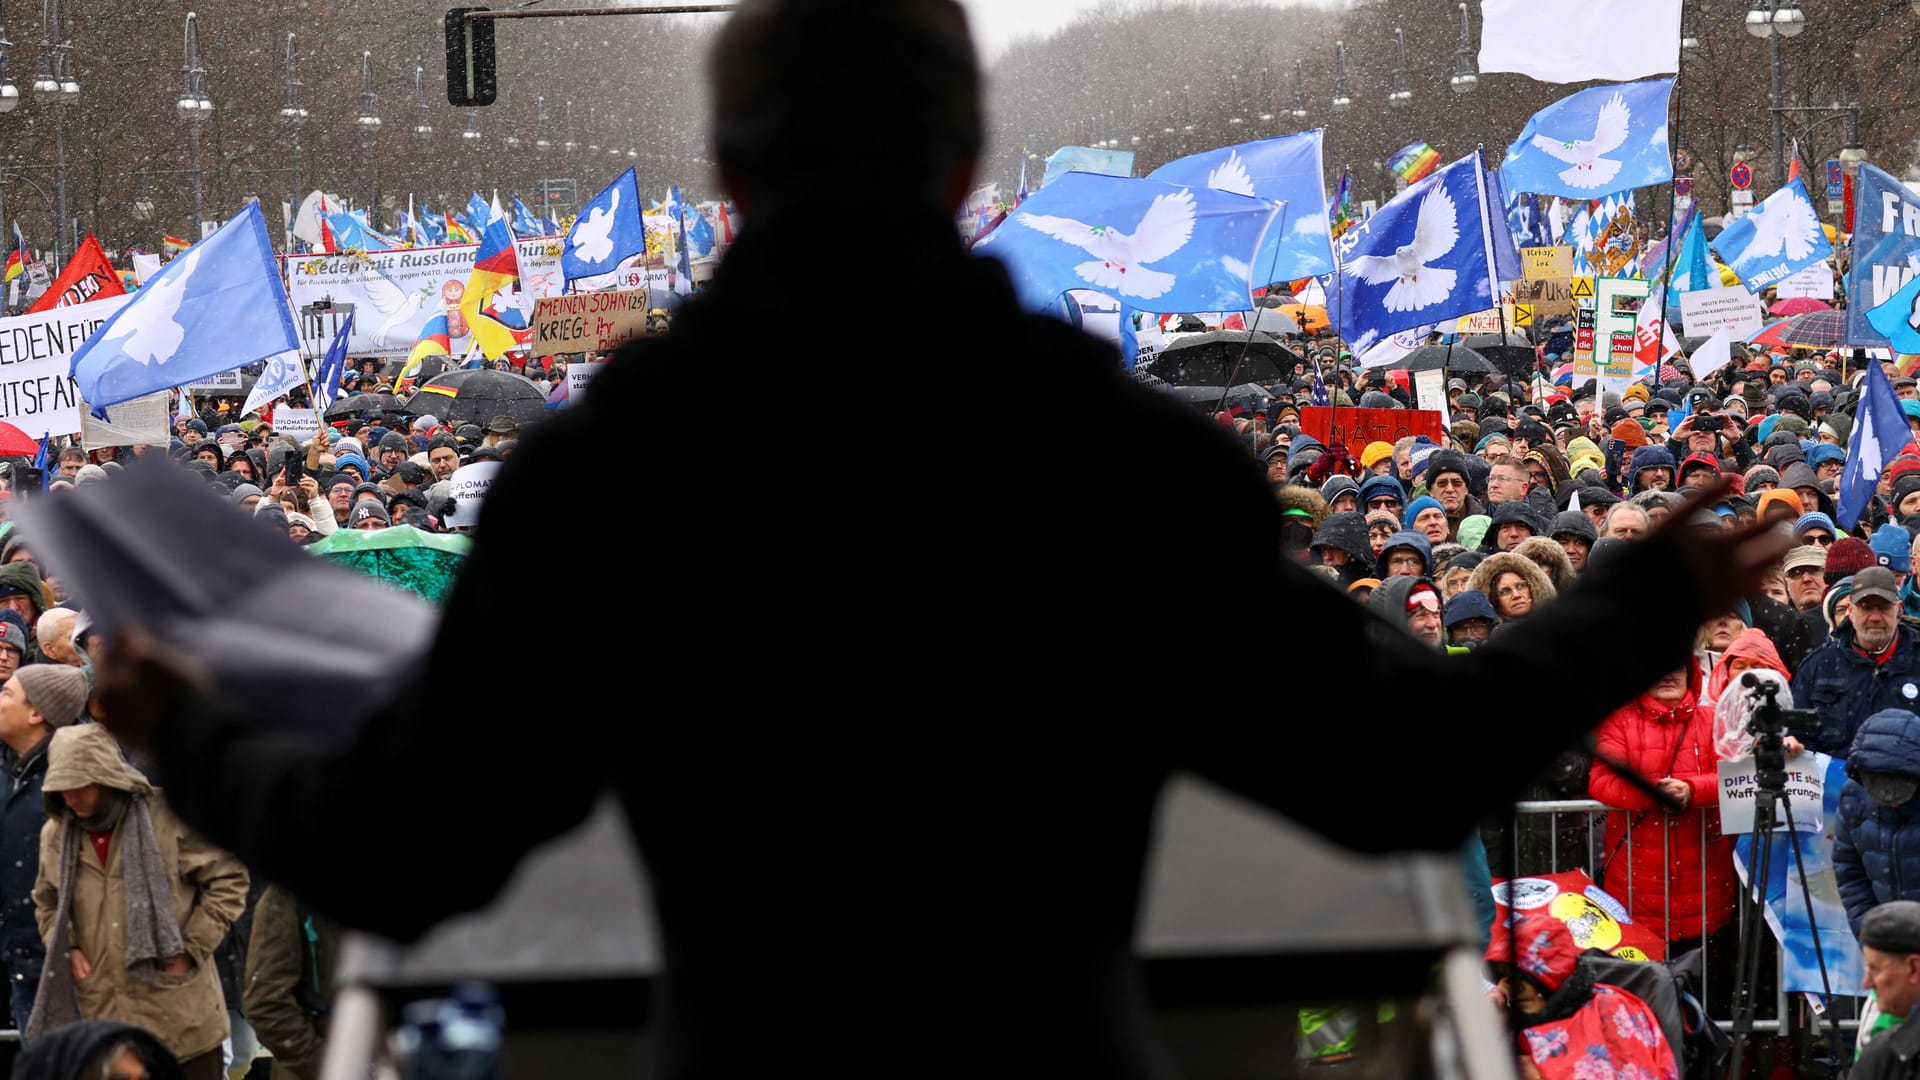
(1712, 355)
(1564, 41)
(145, 265)
(282, 374)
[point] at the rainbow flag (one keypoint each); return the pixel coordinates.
(1340, 207)
(173, 245)
(456, 232)
(497, 322)
(1414, 162)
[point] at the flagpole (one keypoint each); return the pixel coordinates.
(1272, 264)
(1486, 237)
(1673, 199)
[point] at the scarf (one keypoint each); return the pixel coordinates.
(153, 934)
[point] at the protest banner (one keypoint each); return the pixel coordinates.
(540, 275)
(1595, 917)
(1787, 915)
(468, 485)
(1355, 428)
(1732, 307)
(587, 322)
(1583, 331)
(227, 382)
(1549, 299)
(140, 422)
(1885, 249)
(391, 293)
(1806, 784)
(1490, 321)
(37, 392)
(301, 424)
(1815, 281)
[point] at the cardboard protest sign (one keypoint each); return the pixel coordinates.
(1355, 428)
(587, 322)
(140, 422)
(1553, 263)
(37, 392)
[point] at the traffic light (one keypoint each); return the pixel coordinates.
(470, 59)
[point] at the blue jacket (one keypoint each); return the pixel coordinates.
(22, 813)
(1845, 687)
(1876, 849)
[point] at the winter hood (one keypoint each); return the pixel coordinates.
(1547, 951)
(1345, 531)
(1406, 538)
(1889, 742)
(82, 754)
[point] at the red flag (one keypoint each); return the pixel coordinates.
(88, 276)
(1846, 193)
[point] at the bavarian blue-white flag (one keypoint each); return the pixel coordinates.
(607, 232)
(1781, 237)
(217, 306)
(1593, 143)
(1897, 319)
(1879, 432)
(1155, 247)
(1886, 249)
(1428, 255)
(1283, 170)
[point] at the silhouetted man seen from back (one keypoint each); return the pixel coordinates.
(887, 709)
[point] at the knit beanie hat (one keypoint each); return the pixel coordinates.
(1631, 433)
(1637, 390)
(1375, 453)
(1848, 556)
(1388, 516)
(58, 692)
(1761, 474)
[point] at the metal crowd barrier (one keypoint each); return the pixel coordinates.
(1594, 831)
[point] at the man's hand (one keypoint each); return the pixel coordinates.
(309, 487)
(178, 965)
(138, 681)
(1726, 565)
(77, 960)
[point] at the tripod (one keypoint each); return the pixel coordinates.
(1768, 725)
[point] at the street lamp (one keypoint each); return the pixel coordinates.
(422, 127)
(369, 121)
(540, 142)
(1466, 75)
(512, 139)
(194, 106)
(1742, 153)
(1299, 90)
(294, 113)
(56, 86)
(592, 126)
(1773, 20)
(1342, 100)
(1688, 40)
(1401, 97)
(570, 145)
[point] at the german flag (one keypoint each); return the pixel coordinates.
(15, 264)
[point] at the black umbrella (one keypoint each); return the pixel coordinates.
(1482, 341)
(1206, 359)
(476, 395)
(1456, 360)
(1208, 397)
(359, 403)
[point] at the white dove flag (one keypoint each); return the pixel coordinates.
(1425, 257)
(1163, 248)
(281, 376)
(1781, 237)
(607, 232)
(1593, 143)
(1566, 41)
(216, 307)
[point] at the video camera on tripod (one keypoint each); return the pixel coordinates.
(1767, 723)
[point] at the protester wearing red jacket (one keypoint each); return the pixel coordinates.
(1668, 739)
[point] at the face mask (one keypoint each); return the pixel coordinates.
(1890, 790)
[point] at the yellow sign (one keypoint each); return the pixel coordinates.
(1523, 314)
(1582, 288)
(1546, 263)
